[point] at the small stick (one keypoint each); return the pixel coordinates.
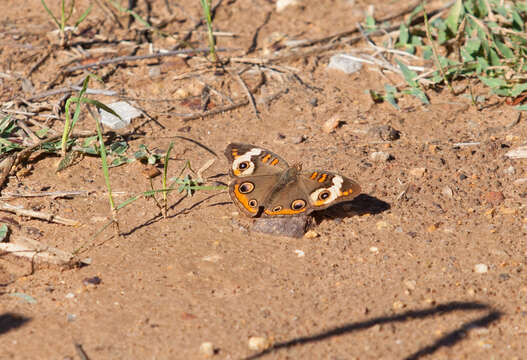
(250, 96)
(122, 59)
(53, 194)
(37, 214)
(40, 61)
(70, 89)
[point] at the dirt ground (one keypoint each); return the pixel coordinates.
(401, 278)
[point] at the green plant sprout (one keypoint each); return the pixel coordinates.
(205, 4)
(65, 16)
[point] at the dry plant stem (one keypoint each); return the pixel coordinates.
(250, 97)
(37, 214)
(69, 89)
(123, 59)
(27, 130)
(40, 62)
(53, 194)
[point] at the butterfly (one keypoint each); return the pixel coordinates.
(263, 184)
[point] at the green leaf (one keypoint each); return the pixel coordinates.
(521, 107)
(493, 83)
(517, 21)
(404, 35)
(408, 74)
(504, 50)
(473, 45)
(370, 22)
(518, 89)
(494, 58)
(4, 231)
(418, 93)
(454, 14)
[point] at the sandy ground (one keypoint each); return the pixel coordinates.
(401, 278)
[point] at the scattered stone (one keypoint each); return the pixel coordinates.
(126, 111)
(207, 349)
(331, 124)
(150, 171)
(212, 258)
(294, 226)
(374, 249)
(504, 277)
(154, 72)
(313, 102)
(431, 228)
(345, 63)
(418, 172)
(92, 281)
(299, 253)
(494, 197)
(258, 343)
(384, 132)
(282, 4)
(510, 170)
(297, 139)
(311, 234)
(70, 295)
(462, 176)
(518, 153)
(397, 305)
(71, 317)
(410, 284)
(519, 182)
(481, 268)
(379, 156)
(447, 191)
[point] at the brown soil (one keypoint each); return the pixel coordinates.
(396, 281)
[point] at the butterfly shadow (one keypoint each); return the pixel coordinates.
(362, 204)
(448, 340)
(10, 321)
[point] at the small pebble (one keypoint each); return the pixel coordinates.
(258, 343)
(297, 139)
(397, 305)
(494, 197)
(510, 170)
(462, 176)
(379, 156)
(410, 284)
(504, 277)
(374, 249)
(381, 225)
(154, 72)
(481, 268)
(344, 63)
(206, 349)
(447, 191)
(299, 253)
(71, 317)
(92, 281)
(313, 102)
(70, 295)
(331, 124)
(282, 4)
(417, 172)
(311, 234)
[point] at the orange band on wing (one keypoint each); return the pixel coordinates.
(243, 200)
(284, 212)
(266, 158)
(323, 178)
(314, 175)
(274, 162)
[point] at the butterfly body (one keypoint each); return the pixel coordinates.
(264, 184)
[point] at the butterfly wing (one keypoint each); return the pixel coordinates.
(249, 192)
(251, 160)
(310, 191)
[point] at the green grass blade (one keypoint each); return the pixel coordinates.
(50, 13)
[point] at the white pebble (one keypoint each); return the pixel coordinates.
(331, 124)
(344, 62)
(206, 348)
(70, 295)
(282, 4)
(374, 249)
(481, 268)
(299, 253)
(379, 156)
(258, 343)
